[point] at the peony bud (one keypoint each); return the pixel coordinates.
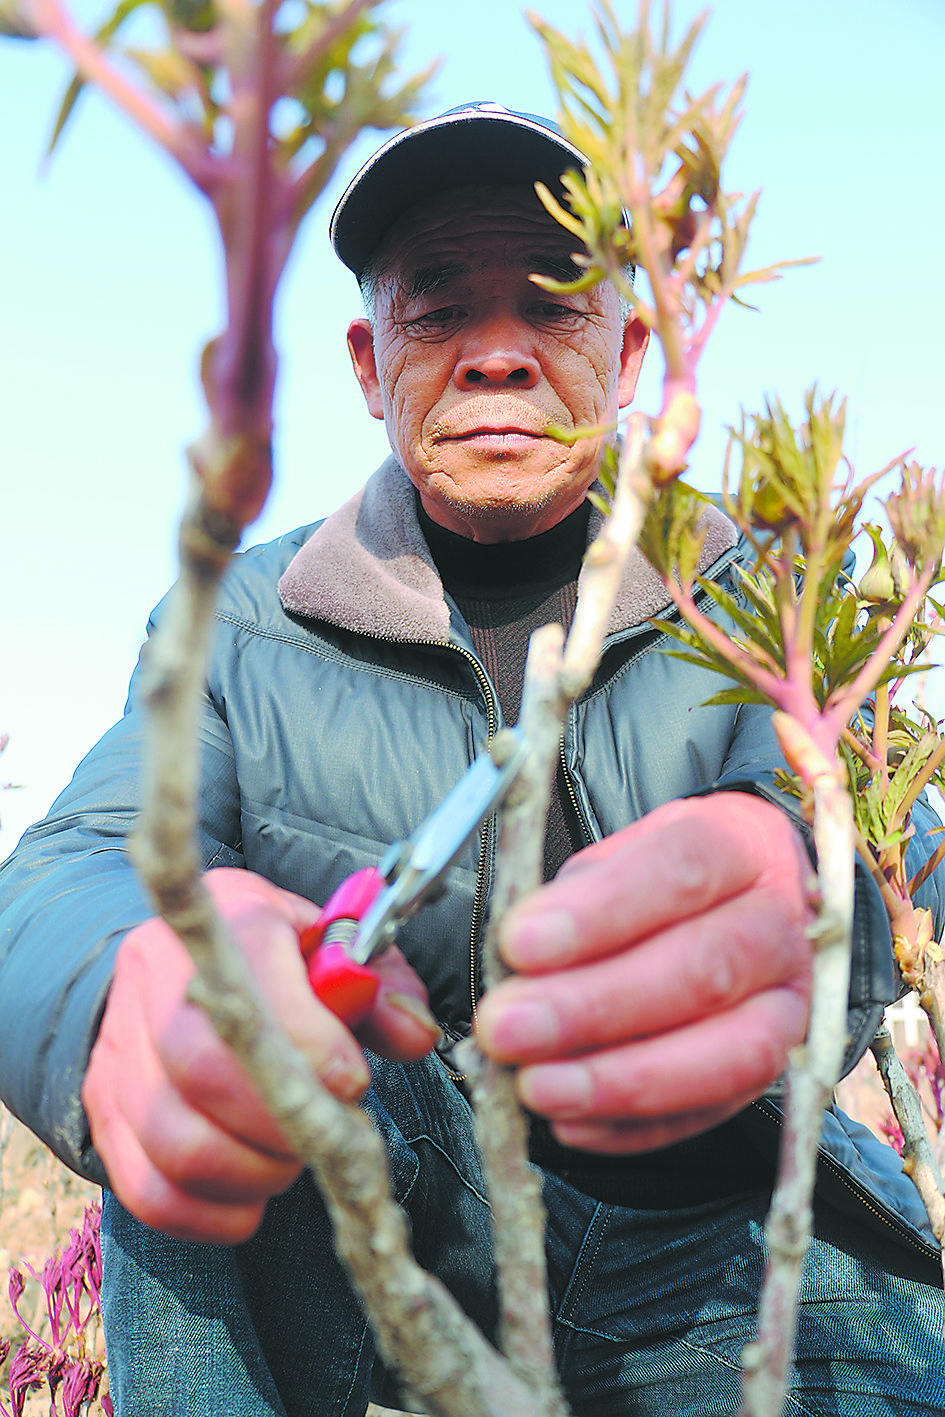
(667, 452)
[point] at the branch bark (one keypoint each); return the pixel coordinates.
(604, 563)
(501, 1126)
(918, 1158)
(420, 1328)
(812, 1073)
(552, 682)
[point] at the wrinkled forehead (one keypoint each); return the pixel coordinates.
(472, 228)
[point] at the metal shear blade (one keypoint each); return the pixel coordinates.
(414, 868)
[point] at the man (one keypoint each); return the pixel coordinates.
(662, 972)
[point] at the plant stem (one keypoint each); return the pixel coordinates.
(930, 994)
(501, 1126)
(812, 1073)
(552, 682)
(918, 1159)
(604, 563)
(419, 1326)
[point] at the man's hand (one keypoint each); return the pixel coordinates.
(187, 1143)
(662, 977)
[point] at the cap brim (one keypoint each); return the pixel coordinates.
(463, 150)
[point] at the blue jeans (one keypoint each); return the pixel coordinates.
(651, 1308)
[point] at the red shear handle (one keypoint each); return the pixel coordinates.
(348, 989)
(344, 986)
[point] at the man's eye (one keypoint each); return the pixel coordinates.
(438, 319)
(553, 312)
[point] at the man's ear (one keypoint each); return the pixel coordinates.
(361, 349)
(636, 337)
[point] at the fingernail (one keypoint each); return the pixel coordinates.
(537, 937)
(523, 1027)
(414, 1008)
(561, 1089)
(346, 1080)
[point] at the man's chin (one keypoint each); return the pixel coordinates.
(510, 513)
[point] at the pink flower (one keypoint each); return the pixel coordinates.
(74, 1271)
(27, 1373)
(79, 1385)
(16, 1286)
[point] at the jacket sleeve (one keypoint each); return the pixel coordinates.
(68, 896)
(752, 762)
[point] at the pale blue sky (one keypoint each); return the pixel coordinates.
(111, 285)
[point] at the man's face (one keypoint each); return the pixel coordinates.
(469, 363)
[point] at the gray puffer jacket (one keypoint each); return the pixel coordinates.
(344, 698)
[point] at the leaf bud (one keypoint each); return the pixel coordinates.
(878, 586)
(770, 509)
(917, 948)
(667, 452)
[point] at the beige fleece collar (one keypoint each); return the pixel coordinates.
(368, 568)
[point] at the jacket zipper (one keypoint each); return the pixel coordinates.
(479, 899)
(859, 1194)
(572, 795)
(902, 1231)
(492, 723)
(864, 1200)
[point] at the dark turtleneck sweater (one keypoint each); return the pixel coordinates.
(505, 591)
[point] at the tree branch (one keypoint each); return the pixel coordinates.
(605, 561)
(419, 1326)
(501, 1126)
(813, 1071)
(918, 1158)
(50, 19)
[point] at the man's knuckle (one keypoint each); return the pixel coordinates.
(692, 869)
(183, 1158)
(719, 980)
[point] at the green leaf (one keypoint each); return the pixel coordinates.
(103, 34)
(844, 645)
(168, 70)
(742, 694)
(757, 632)
(922, 875)
(901, 791)
(769, 273)
(671, 537)
(195, 16)
(788, 782)
(570, 436)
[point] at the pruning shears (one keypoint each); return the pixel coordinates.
(361, 918)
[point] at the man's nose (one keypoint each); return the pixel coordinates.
(498, 351)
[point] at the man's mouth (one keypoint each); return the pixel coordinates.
(472, 435)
